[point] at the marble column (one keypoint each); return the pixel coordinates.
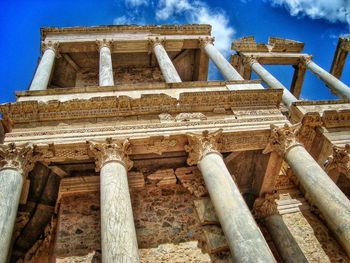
(226, 69)
(165, 64)
(118, 234)
(337, 87)
(265, 209)
(43, 72)
(105, 67)
(287, 97)
(246, 242)
(319, 187)
(15, 163)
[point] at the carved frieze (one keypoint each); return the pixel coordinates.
(182, 117)
(199, 145)
(19, 157)
(111, 150)
(283, 139)
(339, 160)
(160, 145)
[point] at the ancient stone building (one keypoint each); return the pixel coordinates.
(123, 151)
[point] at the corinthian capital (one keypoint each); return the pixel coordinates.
(199, 145)
(19, 157)
(104, 43)
(205, 40)
(265, 207)
(283, 139)
(53, 45)
(306, 59)
(249, 60)
(339, 160)
(117, 150)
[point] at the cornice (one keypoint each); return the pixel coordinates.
(199, 29)
(113, 106)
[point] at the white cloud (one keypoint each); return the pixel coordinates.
(122, 20)
(199, 13)
(331, 10)
(136, 3)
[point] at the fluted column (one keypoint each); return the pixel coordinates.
(246, 242)
(320, 189)
(15, 163)
(118, 235)
(166, 66)
(226, 69)
(266, 209)
(287, 97)
(105, 67)
(337, 87)
(43, 72)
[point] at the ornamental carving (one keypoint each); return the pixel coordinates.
(162, 145)
(19, 157)
(154, 42)
(199, 145)
(265, 207)
(310, 122)
(339, 160)
(345, 44)
(104, 43)
(203, 41)
(283, 139)
(306, 59)
(53, 45)
(249, 60)
(111, 150)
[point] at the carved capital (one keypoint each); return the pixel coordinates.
(154, 41)
(339, 160)
(310, 122)
(265, 207)
(249, 60)
(283, 139)
(203, 41)
(111, 150)
(104, 43)
(199, 145)
(306, 59)
(53, 45)
(19, 157)
(345, 44)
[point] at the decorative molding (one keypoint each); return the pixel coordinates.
(203, 41)
(104, 43)
(160, 145)
(111, 150)
(339, 160)
(113, 106)
(199, 145)
(182, 117)
(19, 157)
(283, 139)
(310, 122)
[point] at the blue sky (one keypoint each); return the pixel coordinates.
(318, 23)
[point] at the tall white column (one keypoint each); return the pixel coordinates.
(165, 64)
(15, 163)
(43, 72)
(246, 242)
(118, 234)
(320, 188)
(226, 69)
(287, 97)
(337, 87)
(105, 67)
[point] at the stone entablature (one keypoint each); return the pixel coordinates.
(113, 106)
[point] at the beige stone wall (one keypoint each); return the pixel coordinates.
(135, 74)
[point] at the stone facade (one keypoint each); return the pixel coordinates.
(123, 151)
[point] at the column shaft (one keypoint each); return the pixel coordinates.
(226, 69)
(11, 183)
(323, 192)
(285, 243)
(335, 85)
(246, 242)
(166, 66)
(106, 69)
(119, 243)
(287, 97)
(43, 72)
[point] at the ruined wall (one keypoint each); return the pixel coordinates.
(135, 74)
